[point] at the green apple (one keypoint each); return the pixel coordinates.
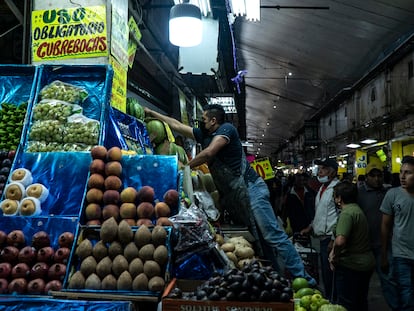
(313, 307)
(305, 301)
(316, 297)
(323, 301)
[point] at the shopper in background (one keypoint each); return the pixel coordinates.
(398, 222)
(300, 204)
(242, 192)
(370, 197)
(325, 218)
(351, 257)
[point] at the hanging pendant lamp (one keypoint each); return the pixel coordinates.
(185, 25)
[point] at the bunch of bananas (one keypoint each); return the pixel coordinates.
(11, 125)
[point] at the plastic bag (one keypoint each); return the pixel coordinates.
(47, 130)
(81, 129)
(51, 109)
(64, 91)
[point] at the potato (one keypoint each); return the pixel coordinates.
(228, 247)
(244, 252)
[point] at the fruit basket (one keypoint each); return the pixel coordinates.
(34, 253)
(70, 108)
(63, 174)
(120, 260)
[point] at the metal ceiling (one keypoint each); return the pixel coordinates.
(324, 50)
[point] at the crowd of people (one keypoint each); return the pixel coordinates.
(360, 226)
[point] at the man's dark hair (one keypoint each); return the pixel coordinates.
(407, 160)
(215, 111)
(347, 190)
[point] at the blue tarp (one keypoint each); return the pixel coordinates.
(45, 304)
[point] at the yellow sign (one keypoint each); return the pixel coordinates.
(119, 86)
(69, 33)
(263, 168)
(361, 162)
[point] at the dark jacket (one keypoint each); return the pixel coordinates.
(300, 214)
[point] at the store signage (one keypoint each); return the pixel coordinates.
(361, 161)
(69, 33)
(263, 168)
(119, 86)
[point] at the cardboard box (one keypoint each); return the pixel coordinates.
(173, 304)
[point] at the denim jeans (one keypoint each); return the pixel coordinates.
(326, 272)
(404, 275)
(388, 284)
(274, 236)
(352, 288)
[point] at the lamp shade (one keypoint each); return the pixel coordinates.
(185, 25)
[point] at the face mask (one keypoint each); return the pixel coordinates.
(323, 179)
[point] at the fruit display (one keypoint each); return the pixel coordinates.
(156, 131)
(253, 282)
(107, 197)
(32, 267)
(170, 148)
(11, 125)
(58, 123)
(22, 196)
(120, 258)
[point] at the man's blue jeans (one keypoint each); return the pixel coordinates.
(388, 284)
(404, 275)
(274, 236)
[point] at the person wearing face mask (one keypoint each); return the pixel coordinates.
(326, 215)
(243, 193)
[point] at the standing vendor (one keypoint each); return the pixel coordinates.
(242, 192)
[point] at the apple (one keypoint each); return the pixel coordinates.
(97, 166)
(96, 181)
(171, 197)
(162, 210)
(128, 210)
(113, 168)
(15, 191)
(99, 152)
(93, 211)
(114, 154)
(128, 195)
(110, 210)
(112, 183)
(305, 301)
(94, 195)
(144, 222)
(9, 207)
(29, 206)
(111, 197)
(27, 255)
(40, 239)
(146, 194)
(145, 210)
(316, 298)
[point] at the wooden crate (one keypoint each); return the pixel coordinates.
(173, 304)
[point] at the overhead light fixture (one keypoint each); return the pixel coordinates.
(353, 146)
(248, 8)
(186, 28)
(368, 141)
